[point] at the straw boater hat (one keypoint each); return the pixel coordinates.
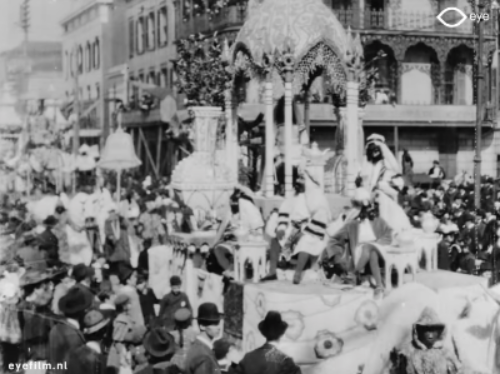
(94, 321)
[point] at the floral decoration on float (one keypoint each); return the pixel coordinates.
(327, 344)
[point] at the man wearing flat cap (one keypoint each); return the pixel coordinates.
(268, 358)
(200, 358)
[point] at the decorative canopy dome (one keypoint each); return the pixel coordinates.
(119, 153)
(272, 25)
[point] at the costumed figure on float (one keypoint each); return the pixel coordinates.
(366, 238)
(381, 177)
(300, 234)
(243, 222)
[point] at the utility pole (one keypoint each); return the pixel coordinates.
(24, 23)
(479, 109)
(76, 104)
(76, 126)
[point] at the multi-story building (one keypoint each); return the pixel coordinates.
(34, 70)
(150, 51)
(92, 43)
(428, 68)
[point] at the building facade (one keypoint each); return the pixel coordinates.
(426, 75)
(151, 36)
(92, 35)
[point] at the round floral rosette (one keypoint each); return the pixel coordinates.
(367, 315)
(327, 344)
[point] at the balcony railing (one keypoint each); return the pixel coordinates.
(229, 16)
(368, 19)
(388, 19)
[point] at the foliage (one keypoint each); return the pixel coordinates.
(367, 78)
(203, 73)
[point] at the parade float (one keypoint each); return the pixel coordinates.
(203, 179)
(333, 327)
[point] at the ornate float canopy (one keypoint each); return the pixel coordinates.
(307, 30)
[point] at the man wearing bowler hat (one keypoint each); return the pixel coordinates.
(200, 358)
(160, 347)
(268, 358)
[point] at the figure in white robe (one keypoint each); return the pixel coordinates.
(381, 176)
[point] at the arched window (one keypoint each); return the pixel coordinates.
(88, 57)
(140, 35)
(79, 59)
(162, 30)
(97, 54)
(151, 31)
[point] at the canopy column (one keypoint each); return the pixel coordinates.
(231, 137)
(269, 151)
(352, 136)
(288, 127)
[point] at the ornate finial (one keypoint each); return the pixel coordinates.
(354, 55)
(288, 54)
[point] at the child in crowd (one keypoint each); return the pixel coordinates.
(147, 298)
(171, 302)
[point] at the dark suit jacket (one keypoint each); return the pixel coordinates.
(63, 339)
(200, 359)
(266, 360)
(85, 360)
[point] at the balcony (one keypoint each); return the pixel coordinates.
(392, 20)
(212, 21)
(233, 16)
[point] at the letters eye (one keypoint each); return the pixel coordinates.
(456, 10)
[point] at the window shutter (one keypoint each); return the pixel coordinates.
(165, 24)
(152, 40)
(158, 28)
(97, 54)
(131, 40)
(138, 37)
(145, 45)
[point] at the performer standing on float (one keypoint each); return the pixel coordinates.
(381, 177)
